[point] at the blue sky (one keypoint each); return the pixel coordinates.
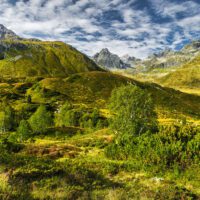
(135, 27)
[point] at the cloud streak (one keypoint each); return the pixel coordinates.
(136, 27)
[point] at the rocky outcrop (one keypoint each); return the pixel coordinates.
(7, 34)
(109, 61)
(131, 60)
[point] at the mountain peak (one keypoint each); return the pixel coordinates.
(105, 50)
(6, 33)
(108, 60)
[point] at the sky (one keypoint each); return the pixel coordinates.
(135, 27)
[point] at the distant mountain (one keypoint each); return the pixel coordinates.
(7, 34)
(172, 59)
(131, 60)
(186, 76)
(175, 69)
(109, 61)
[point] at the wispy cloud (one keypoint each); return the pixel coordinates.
(136, 27)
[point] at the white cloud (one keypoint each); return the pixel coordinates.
(138, 34)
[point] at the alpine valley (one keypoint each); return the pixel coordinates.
(75, 127)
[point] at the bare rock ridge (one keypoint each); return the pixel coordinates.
(110, 61)
(7, 34)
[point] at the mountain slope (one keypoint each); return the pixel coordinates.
(187, 76)
(36, 58)
(7, 34)
(94, 89)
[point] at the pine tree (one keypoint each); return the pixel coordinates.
(24, 130)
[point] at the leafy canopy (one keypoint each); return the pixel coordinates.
(41, 120)
(133, 111)
(24, 130)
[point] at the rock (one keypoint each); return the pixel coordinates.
(7, 34)
(109, 61)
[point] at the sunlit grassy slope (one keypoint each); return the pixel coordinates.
(185, 78)
(69, 162)
(188, 76)
(37, 58)
(93, 89)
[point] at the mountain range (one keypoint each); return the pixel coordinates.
(20, 57)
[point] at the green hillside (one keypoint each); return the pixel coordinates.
(56, 138)
(36, 58)
(187, 76)
(54, 133)
(93, 89)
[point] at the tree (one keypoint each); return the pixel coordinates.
(133, 111)
(64, 115)
(7, 118)
(41, 120)
(24, 130)
(29, 99)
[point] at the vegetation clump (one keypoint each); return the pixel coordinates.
(41, 120)
(138, 136)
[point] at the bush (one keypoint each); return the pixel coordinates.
(41, 120)
(67, 115)
(24, 131)
(173, 146)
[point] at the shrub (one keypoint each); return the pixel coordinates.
(173, 146)
(41, 120)
(24, 130)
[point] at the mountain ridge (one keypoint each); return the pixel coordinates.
(109, 61)
(7, 33)
(21, 57)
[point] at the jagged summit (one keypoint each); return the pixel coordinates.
(131, 60)
(6, 33)
(110, 61)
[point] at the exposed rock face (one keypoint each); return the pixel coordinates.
(169, 58)
(131, 60)
(7, 34)
(110, 61)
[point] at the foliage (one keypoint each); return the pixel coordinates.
(63, 115)
(24, 130)
(133, 111)
(7, 118)
(41, 120)
(68, 115)
(173, 146)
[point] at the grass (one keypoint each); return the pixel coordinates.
(46, 59)
(89, 174)
(94, 88)
(69, 162)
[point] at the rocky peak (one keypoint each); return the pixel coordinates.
(105, 50)
(130, 59)
(108, 60)
(6, 33)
